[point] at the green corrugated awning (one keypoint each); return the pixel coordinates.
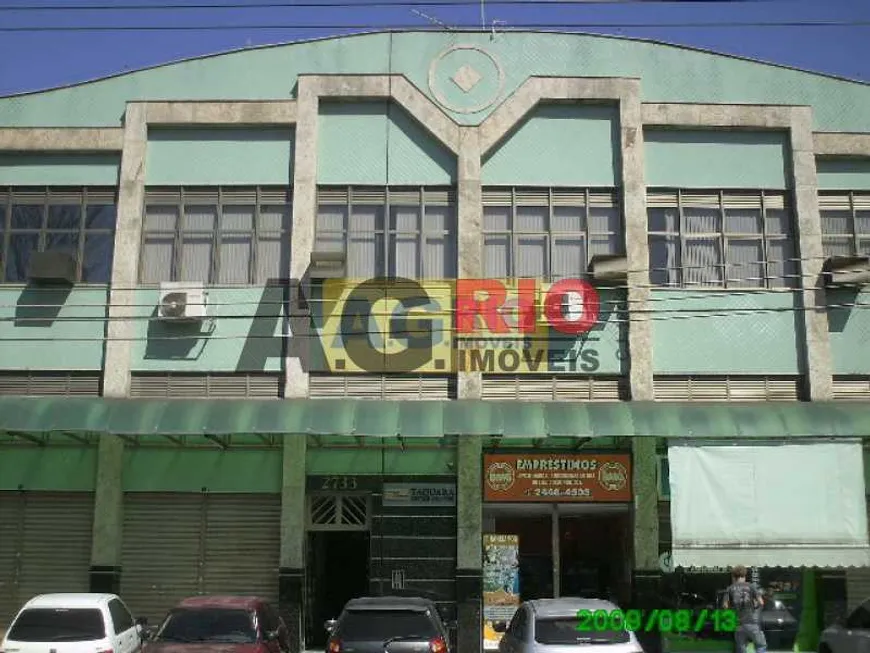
(433, 418)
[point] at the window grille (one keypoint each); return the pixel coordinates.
(721, 239)
(845, 223)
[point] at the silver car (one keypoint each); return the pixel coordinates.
(552, 626)
(852, 635)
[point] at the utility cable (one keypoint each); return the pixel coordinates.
(418, 27)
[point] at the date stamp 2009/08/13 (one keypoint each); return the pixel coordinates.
(666, 621)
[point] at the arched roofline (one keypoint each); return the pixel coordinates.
(213, 55)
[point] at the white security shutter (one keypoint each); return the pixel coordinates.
(160, 555)
(45, 546)
(242, 545)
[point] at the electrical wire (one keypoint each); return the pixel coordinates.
(365, 3)
(418, 27)
(709, 289)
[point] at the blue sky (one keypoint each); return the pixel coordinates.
(37, 60)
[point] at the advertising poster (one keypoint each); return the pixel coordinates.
(501, 583)
(557, 477)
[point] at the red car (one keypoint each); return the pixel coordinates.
(220, 624)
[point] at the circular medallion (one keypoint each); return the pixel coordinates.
(466, 79)
(612, 476)
(500, 476)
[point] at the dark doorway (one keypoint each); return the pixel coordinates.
(338, 570)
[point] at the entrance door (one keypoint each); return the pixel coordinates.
(337, 567)
(338, 564)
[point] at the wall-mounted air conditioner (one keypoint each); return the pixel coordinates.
(52, 267)
(847, 271)
(182, 302)
(608, 269)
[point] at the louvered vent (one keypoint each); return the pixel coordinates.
(382, 386)
(552, 388)
(726, 388)
(70, 384)
(211, 386)
(851, 388)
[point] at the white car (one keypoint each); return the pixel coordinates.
(553, 626)
(73, 623)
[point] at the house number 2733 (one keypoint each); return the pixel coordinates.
(339, 483)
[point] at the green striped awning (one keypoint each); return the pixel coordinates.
(433, 418)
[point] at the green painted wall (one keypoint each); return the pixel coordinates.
(322, 460)
(730, 333)
(667, 73)
(850, 332)
(219, 156)
(48, 468)
(23, 169)
(709, 159)
(52, 329)
(378, 143)
(843, 174)
(559, 145)
(186, 348)
(175, 470)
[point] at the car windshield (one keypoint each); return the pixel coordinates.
(380, 625)
(58, 625)
(212, 625)
(564, 630)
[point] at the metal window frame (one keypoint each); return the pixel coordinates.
(549, 236)
(80, 195)
(855, 237)
(217, 233)
(385, 265)
(724, 238)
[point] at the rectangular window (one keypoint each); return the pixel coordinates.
(389, 232)
(548, 234)
(219, 236)
(721, 239)
(80, 221)
(845, 223)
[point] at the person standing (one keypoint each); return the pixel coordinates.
(746, 600)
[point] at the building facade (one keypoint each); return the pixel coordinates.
(238, 453)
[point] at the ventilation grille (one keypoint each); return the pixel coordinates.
(379, 195)
(545, 197)
(851, 388)
(71, 384)
(214, 386)
(382, 386)
(726, 388)
(218, 195)
(347, 512)
(552, 388)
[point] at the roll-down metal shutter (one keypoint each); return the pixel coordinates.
(858, 582)
(179, 545)
(161, 551)
(45, 546)
(242, 545)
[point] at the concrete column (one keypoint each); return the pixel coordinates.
(292, 570)
(646, 523)
(108, 502)
(813, 301)
(470, 231)
(304, 211)
(469, 507)
(291, 579)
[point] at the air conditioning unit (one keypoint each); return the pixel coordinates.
(52, 267)
(182, 302)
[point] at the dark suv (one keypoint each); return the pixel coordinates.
(395, 624)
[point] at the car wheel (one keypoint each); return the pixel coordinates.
(824, 648)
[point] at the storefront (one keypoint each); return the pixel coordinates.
(567, 518)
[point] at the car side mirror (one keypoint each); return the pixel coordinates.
(499, 626)
(330, 625)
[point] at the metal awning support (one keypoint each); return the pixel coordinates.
(222, 441)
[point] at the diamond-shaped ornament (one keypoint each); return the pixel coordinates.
(466, 78)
